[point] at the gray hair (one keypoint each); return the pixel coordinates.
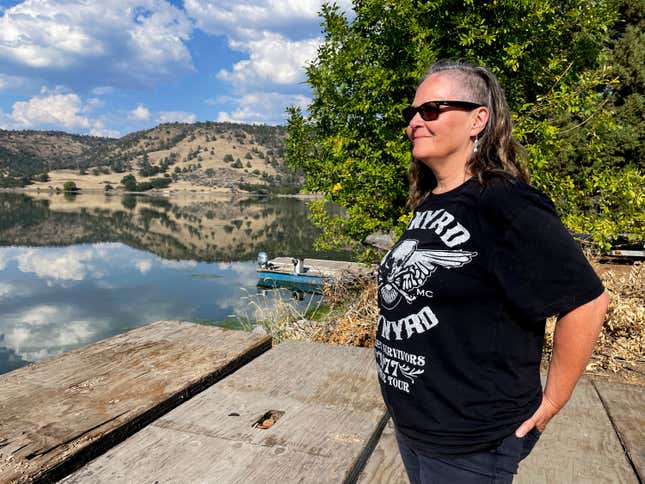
(498, 151)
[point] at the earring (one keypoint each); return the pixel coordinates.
(476, 145)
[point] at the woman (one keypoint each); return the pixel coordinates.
(465, 292)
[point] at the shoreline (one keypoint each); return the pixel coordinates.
(195, 190)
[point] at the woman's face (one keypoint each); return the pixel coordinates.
(447, 140)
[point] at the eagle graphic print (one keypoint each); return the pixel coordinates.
(404, 276)
(405, 269)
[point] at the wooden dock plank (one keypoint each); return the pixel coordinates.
(385, 465)
(578, 447)
(625, 404)
(57, 414)
(332, 409)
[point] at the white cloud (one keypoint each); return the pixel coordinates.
(45, 330)
(101, 131)
(143, 265)
(40, 315)
(140, 113)
(8, 82)
(280, 37)
(57, 109)
(92, 104)
(6, 255)
(6, 290)
(243, 19)
(120, 42)
(176, 116)
(273, 58)
(70, 263)
(263, 107)
(50, 108)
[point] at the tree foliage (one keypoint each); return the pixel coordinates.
(70, 187)
(575, 104)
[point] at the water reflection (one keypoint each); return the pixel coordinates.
(221, 229)
(74, 272)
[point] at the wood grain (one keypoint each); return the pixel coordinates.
(578, 447)
(625, 404)
(385, 466)
(57, 414)
(332, 410)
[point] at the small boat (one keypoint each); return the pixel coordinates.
(294, 274)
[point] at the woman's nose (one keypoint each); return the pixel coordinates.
(416, 120)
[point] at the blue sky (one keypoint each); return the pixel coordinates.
(111, 67)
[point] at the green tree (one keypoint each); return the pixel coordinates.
(129, 182)
(70, 187)
(129, 201)
(551, 56)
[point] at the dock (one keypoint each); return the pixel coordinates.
(325, 269)
(177, 402)
(58, 414)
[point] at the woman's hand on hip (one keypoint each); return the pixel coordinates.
(545, 412)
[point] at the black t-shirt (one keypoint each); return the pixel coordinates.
(463, 298)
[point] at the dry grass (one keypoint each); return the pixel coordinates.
(355, 322)
(279, 317)
(621, 344)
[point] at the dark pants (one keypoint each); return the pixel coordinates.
(496, 466)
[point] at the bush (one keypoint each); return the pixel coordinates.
(160, 182)
(129, 182)
(70, 187)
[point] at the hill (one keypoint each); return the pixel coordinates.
(208, 154)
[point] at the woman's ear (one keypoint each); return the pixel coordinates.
(480, 118)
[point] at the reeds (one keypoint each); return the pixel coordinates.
(278, 314)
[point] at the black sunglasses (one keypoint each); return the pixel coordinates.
(429, 111)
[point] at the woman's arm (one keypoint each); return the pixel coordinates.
(575, 335)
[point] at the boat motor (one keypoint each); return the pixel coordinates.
(298, 265)
(263, 260)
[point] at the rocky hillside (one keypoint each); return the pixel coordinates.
(27, 153)
(203, 154)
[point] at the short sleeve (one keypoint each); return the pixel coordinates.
(539, 266)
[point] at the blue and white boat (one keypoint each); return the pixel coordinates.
(293, 273)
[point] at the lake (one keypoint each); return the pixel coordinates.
(77, 269)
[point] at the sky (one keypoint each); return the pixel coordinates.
(111, 67)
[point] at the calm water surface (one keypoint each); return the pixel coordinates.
(77, 270)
